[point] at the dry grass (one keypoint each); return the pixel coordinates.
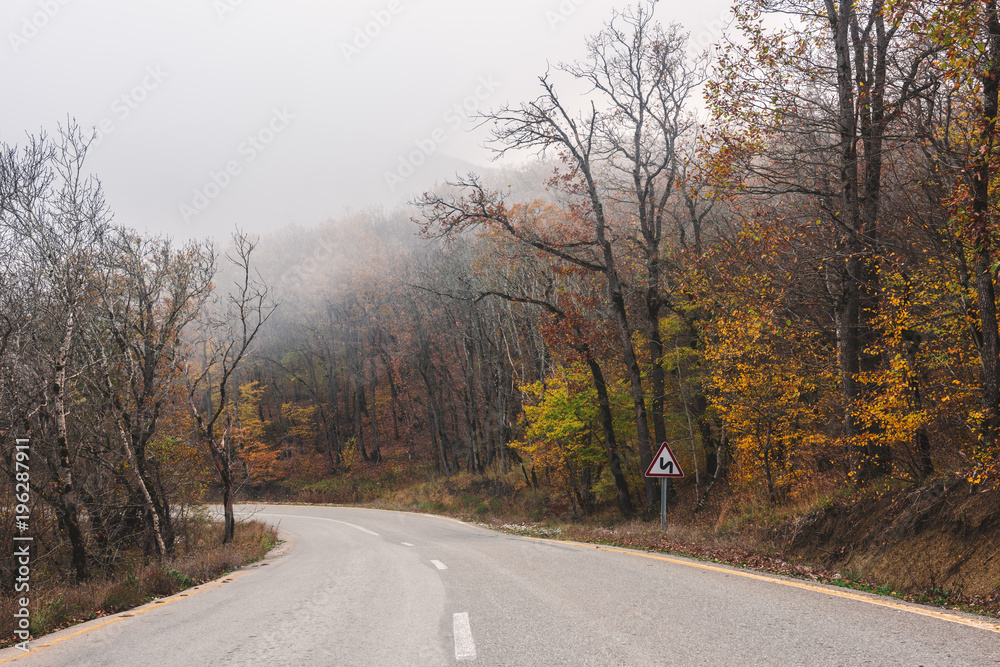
(200, 557)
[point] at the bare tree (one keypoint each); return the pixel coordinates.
(227, 340)
(621, 167)
(57, 217)
(149, 293)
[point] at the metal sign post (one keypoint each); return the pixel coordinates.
(663, 504)
(664, 466)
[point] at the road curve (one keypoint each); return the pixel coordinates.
(366, 587)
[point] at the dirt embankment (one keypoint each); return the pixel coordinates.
(940, 537)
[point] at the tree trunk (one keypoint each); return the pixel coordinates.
(376, 454)
(153, 508)
(989, 348)
(657, 374)
(221, 455)
(643, 436)
(607, 424)
(68, 511)
(858, 216)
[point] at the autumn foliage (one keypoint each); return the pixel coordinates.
(797, 290)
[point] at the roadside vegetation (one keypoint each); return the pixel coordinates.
(199, 558)
(796, 290)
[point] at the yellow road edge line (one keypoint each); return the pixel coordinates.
(130, 613)
(827, 590)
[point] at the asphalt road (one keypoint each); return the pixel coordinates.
(362, 587)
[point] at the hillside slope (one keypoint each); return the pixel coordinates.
(943, 537)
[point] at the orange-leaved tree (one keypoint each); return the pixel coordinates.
(767, 392)
(249, 437)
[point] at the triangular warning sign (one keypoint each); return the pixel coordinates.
(664, 464)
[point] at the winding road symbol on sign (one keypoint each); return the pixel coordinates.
(664, 464)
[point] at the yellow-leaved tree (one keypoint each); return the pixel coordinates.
(302, 431)
(249, 437)
(562, 436)
(767, 393)
(926, 386)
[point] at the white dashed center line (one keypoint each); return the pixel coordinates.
(343, 523)
(363, 530)
(439, 565)
(406, 544)
(465, 648)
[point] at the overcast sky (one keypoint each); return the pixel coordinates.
(213, 113)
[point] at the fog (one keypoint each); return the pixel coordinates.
(216, 113)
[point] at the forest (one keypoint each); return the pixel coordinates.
(779, 257)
